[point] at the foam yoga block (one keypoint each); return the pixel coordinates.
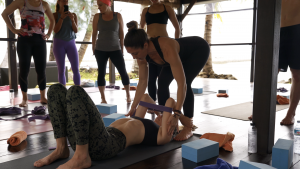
(133, 84)
(282, 154)
(200, 150)
(223, 91)
(107, 108)
(111, 118)
(253, 165)
(34, 96)
(197, 90)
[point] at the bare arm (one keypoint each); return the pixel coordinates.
(74, 22)
(58, 24)
(17, 4)
(95, 31)
(143, 82)
(170, 53)
(50, 17)
(121, 31)
(174, 21)
(143, 18)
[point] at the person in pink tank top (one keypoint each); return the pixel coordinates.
(31, 41)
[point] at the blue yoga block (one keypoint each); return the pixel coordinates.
(111, 118)
(282, 154)
(223, 91)
(96, 83)
(197, 90)
(253, 165)
(34, 96)
(200, 150)
(133, 84)
(107, 108)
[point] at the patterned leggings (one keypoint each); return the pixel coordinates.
(74, 115)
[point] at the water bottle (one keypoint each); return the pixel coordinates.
(297, 138)
(252, 139)
(12, 97)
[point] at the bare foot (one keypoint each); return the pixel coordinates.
(103, 101)
(250, 117)
(55, 155)
(184, 134)
(288, 120)
(24, 103)
(78, 162)
(44, 101)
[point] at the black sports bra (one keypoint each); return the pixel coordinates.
(161, 18)
(151, 131)
(158, 49)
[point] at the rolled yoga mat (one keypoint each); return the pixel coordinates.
(129, 156)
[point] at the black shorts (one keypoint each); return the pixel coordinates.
(289, 52)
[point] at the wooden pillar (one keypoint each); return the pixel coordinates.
(12, 57)
(253, 51)
(179, 15)
(112, 73)
(266, 69)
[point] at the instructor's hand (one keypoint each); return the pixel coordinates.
(173, 123)
(131, 112)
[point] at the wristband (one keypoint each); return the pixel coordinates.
(178, 111)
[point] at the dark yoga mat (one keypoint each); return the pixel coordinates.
(129, 156)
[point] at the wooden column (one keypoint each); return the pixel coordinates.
(112, 73)
(266, 69)
(12, 57)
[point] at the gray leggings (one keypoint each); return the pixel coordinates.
(74, 115)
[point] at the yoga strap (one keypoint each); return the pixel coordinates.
(156, 107)
(38, 110)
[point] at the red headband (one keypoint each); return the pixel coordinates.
(107, 2)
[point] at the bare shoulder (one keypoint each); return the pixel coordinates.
(142, 62)
(20, 3)
(167, 42)
(45, 4)
(74, 14)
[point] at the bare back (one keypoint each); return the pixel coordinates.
(290, 13)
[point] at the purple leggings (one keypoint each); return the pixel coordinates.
(60, 49)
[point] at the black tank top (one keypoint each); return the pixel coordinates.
(151, 131)
(187, 47)
(161, 18)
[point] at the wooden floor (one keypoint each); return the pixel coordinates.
(239, 92)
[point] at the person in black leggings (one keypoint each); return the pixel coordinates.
(181, 59)
(31, 41)
(109, 44)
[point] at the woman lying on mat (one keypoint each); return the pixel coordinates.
(74, 116)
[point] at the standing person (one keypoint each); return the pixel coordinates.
(31, 41)
(156, 17)
(181, 59)
(289, 53)
(110, 44)
(64, 42)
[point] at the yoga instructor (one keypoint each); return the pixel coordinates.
(181, 59)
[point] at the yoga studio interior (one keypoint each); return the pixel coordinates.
(240, 99)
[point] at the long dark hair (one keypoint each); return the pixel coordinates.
(135, 38)
(57, 6)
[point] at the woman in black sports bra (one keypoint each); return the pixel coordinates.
(156, 17)
(181, 59)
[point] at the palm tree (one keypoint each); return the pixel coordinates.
(89, 31)
(208, 69)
